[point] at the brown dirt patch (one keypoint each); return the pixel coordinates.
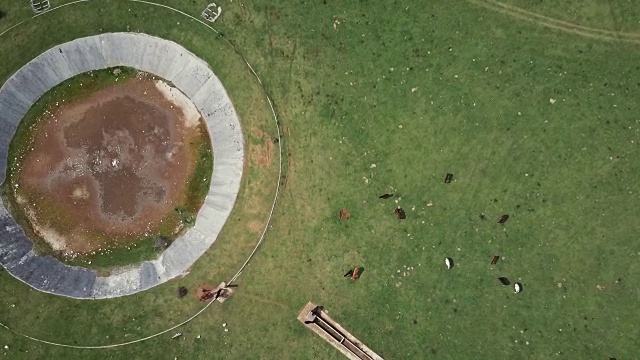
(262, 154)
(258, 133)
(108, 168)
(256, 227)
(205, 292)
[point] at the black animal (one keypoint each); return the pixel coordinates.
(385, 196)
(503, 219)
(400, 214)
(504, 281)
(448, 178)
(349, 273)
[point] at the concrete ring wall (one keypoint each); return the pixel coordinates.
(197, 81)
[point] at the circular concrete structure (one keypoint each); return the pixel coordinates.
(190, 75)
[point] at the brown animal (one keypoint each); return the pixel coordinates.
(355, 273)
(344, 214)
(495, 259)
(400, 214)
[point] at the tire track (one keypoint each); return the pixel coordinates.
(556, 24)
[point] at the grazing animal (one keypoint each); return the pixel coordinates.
(504, 281)
(495, 259)
(503, 219)
(448, 178)
(356, 274)
(448, 262)
(400, 214)
(349, 273)
(385, 196)
(517, 287)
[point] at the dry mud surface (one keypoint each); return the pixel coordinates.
(109, 167)
(193, 77)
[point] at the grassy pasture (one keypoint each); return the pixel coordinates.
(536, 123)
(614, 15)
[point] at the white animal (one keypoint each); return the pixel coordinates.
(448, 262)
(517, 287)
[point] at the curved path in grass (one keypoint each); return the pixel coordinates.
(557, 24)
(195, 79)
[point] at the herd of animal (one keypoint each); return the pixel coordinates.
(400, 214)
(517, 287)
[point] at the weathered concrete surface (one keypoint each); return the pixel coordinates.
(189, 74)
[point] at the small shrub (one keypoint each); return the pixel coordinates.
(160, 243)
(185, 216)
(182, 292)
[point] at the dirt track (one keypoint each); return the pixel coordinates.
(557, 24)
(107, 168)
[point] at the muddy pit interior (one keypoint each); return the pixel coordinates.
(111, 168)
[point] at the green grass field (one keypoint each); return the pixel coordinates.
(535, 122)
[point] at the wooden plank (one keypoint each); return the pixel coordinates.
(336, 335)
